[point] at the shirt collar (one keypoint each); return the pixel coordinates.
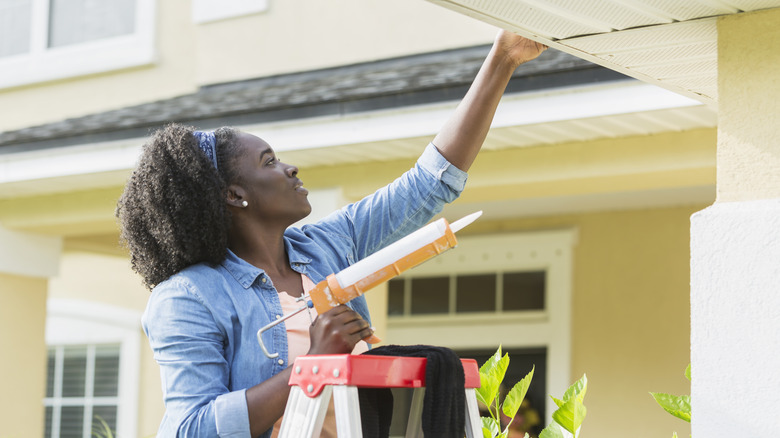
(246, 274)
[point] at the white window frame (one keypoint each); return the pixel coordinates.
(78, 322)
(551, 251)
(206, 11)
(43, 63)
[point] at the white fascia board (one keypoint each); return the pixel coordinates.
(569, 103)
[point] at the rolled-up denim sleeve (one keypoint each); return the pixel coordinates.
(402, 206)
(188, 345)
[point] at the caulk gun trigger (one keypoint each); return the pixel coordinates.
(464, 221)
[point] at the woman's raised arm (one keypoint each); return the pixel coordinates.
(462, 136)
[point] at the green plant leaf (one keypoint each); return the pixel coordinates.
(488, 389)
(490, 379)
(578, 388)
(516, 395)
(491, 363)
(571, 414)
(490, 427)
(553, 430)
(677, 405)
(558, 402)
(688, 372)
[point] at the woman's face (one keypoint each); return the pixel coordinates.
(271, 188)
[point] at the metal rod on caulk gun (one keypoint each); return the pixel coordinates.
(351, 282)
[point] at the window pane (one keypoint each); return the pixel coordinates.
(78, 21)
(72, 422)
(476, 293)
(50, 373)
(430, 295)
(74, 369)
(524, 291)
(395, 297)
(107, 414)
(106, 371)
(47, 424)
(15, 26)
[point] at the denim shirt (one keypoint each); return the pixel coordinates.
(202, 322)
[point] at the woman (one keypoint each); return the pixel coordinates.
(206, 217)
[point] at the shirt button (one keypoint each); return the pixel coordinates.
(262, 280)
(278, 316)
(280, 362)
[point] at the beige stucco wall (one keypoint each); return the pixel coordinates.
(296, 35)
(292, 35)
(23, 365)
(748, 151)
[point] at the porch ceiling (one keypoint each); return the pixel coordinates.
(669, 43)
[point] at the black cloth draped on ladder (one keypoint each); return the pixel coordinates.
(443, 412)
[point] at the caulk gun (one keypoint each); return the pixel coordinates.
(351, 282)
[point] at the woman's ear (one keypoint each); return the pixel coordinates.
(235, 196)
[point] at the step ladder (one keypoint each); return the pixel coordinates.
(315, 378)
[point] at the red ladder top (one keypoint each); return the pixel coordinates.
(313, 372)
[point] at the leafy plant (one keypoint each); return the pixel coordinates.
(570, 413)
(491, 374)
(568, 417)
(677, 405)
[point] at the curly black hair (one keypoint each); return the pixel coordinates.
(173, 213)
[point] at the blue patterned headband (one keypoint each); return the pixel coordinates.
(207, 142)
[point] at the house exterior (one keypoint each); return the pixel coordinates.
(588, 180)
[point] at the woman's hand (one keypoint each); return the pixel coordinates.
(516, 49)
(337, 331)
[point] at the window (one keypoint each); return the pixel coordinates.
(512, 290)
(494, 292)
(43, 40)
(82, 387)
(92, 369)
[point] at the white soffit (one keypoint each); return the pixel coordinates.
(671, 43)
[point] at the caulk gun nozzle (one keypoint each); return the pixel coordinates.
(464, 221)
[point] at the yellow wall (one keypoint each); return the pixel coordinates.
(23, 365)
(630, 314)
(297, 35)
(748, 151)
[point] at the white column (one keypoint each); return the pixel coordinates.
(735, 244)
(735, 319)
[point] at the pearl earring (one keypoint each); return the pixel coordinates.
(244, 203)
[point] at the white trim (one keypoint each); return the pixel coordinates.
(322, 132)
(45, 64)
(28, 254)
(79, 322)
(206, 11)
(548, 250)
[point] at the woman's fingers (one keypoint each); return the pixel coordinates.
(337, 331)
